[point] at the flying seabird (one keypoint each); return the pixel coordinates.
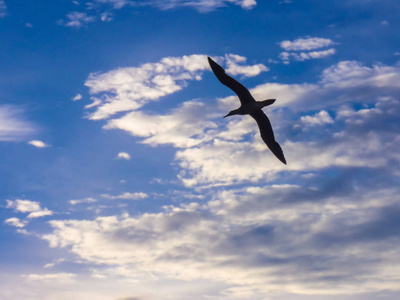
(249, 106)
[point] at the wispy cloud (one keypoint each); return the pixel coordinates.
(103, 10)
(128, 196)
(200, 5)
(77, 19)
(15, 222)
(3, 9)
(308, 44)
(58, 277)
(13, 126)
(302, 56)
(85, 200)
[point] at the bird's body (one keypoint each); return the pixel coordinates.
(249, 106)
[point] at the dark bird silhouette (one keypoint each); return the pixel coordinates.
(249, 106)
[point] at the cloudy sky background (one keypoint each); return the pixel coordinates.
(120, 179)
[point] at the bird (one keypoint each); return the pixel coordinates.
(249, 106)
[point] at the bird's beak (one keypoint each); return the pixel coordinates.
(226, 115)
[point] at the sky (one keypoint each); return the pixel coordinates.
(121, 180)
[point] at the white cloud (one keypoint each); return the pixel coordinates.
(302, 56)
(129, 196)
(130, 88)
(320, 118)
(55, 262)
(85, 200)
(15, 222)
(13, 127)
(38, 144)
(58, 277)
(77, 97)
(233, 68)
(306, 44)
(3, 9)
(253, 241)
(78, 19)
(200, 5)
(181, 127)
(27, 206)
(211, 149)
(123, 155)
(353, 74)
(40, 213)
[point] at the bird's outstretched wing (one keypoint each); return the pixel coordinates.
(267, 134)
(243, 93)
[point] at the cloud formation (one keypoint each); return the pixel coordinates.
(208, 150)
(128, 89)
(251, 239)
(27, 206)
(308, 44)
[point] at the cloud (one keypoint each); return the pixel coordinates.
(58, 277)
(13, 127)
(38, 144)
(77, 19)
(208, 149)
(128, 89)
(254, 240)
(123, 155)
(353, 74)
(15, 222)
(3, 9)
(302, 56)
(320, 118)
(103, 9)
(200, 5)
(233, 68)
(85, 200)
(77, 97)
(129, 196)
(306, 44)
(27, 206)
(181, 127)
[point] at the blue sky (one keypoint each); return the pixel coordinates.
(120, 179)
